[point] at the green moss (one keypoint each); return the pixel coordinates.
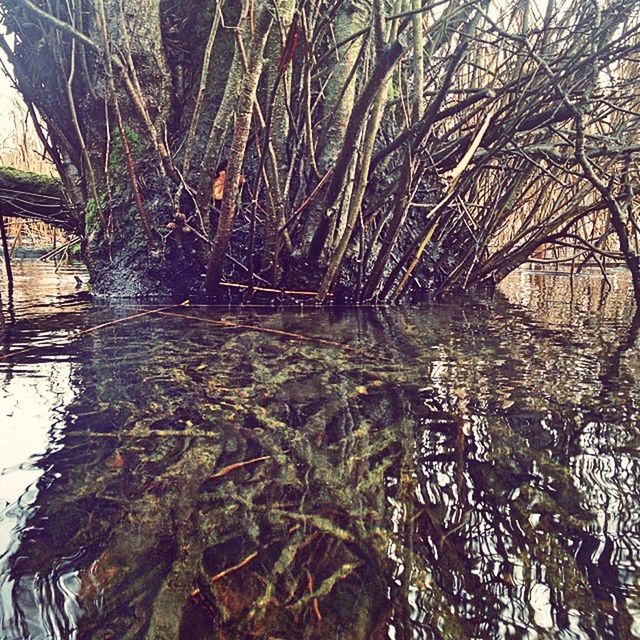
(15, 179)
(117, 158)
(91, 216)
(75, 251)
(91, 219)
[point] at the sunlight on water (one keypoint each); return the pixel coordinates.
(467, 470)
(30, 411)
(32, 400)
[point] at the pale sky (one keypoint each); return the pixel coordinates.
(7, 97)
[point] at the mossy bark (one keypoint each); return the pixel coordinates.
(338, 104)
(25, 194)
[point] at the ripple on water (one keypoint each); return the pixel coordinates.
(469, 470)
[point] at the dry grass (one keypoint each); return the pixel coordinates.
(21, 148)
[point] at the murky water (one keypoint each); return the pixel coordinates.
(469, 470)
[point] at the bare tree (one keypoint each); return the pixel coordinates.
(361, 149)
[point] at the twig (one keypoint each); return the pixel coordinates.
(60, 249)
(104, 325)
(277, 332)
(397, 292)
(294, 216)
(237, 465)
(7, 256)
(91, 176)
(316, 606)
(63, 26)
(17, 238)
(328, 584)
(235, 567)
(459, 169)
(139, 435)
(235, 285)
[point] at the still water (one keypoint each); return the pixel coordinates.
(466, 470)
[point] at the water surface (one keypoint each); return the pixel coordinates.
(466, 470)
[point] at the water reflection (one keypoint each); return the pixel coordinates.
(463, 471)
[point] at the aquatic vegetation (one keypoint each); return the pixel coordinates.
(413, 474)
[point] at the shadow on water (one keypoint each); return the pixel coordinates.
(468, 470)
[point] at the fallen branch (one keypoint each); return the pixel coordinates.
(60, 249)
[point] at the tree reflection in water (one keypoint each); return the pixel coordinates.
(470, 471)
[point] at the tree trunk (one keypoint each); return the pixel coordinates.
(342, 168)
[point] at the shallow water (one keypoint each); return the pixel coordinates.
(468, 470)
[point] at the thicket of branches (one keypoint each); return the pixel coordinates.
(370, 148)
